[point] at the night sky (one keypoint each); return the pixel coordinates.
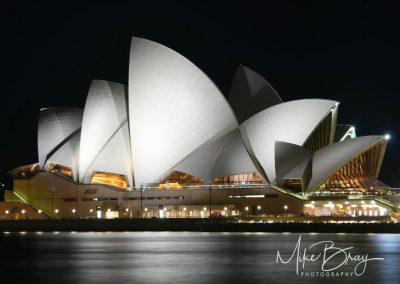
(344, 51)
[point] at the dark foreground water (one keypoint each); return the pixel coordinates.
(190, 257)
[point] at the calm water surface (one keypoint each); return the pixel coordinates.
(184, 257)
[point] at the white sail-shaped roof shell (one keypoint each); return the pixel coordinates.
(291, 122)
(328, 160)
(344, 131)
(223, 157)
(233, 158)
(58, 136)
(200, 162)
(174, 108)
(68, 155)
(105, 144)
(251, 93)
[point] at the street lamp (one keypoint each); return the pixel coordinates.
(141, 202)
(53, 189)
(210, 187)
(246, 209)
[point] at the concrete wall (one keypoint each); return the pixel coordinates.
(14, 210)
(50, 192)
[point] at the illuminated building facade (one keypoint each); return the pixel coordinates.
(170, 145)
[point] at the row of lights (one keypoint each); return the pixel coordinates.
(346, 202)
(259, 207)
(126, 210)
(184, 209)
(23, 211)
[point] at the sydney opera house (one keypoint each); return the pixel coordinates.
(170, 145)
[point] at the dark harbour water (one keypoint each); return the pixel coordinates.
(185, 257)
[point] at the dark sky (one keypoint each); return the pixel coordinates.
(345, 51)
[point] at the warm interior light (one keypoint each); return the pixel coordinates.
(109, 179)
(169, 185)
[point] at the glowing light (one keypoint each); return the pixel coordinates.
(285, 207)
(225, 208)
(109, 179)
(108, 210)
(7, 211)
(387, 136)
(126, 209)
(91, 210)
(73, 211)
(56, 211)
(184, 209)
(40, 211)
(247, 208)
(205, 208)
(145, 209)
(258, 207)
(23, 211)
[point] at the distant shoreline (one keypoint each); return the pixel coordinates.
(194, 225)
